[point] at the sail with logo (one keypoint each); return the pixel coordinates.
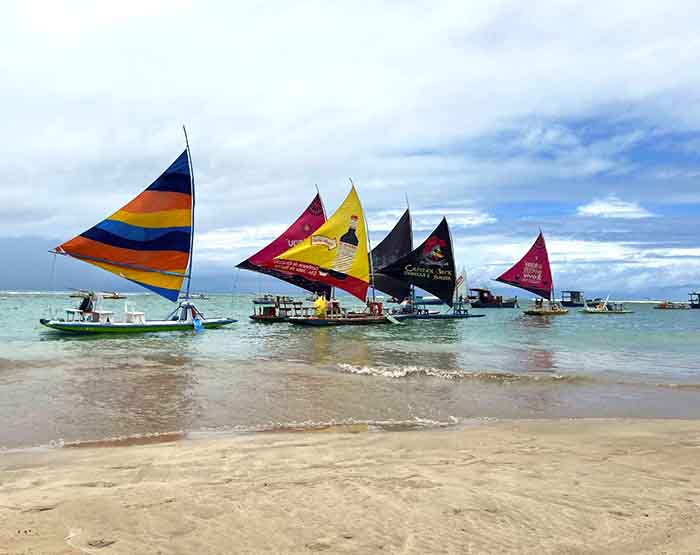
(533, 273)
(397, 244)
(308, 222)
(431, 266)
(335, 254)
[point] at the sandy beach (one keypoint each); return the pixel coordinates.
(548, 486)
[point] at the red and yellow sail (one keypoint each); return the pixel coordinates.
(147, 241)
(336, 253)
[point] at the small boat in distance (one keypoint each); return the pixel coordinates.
(672, 305)
(483, 298)
(149, 242)
(605, 307)
(272, 309)
(694, 299)
(107, 295)
(533, 273)
(573, 299)
(200, 296)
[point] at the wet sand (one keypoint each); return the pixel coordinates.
(548, 486)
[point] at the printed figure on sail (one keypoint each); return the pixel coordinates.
(533, 273)
(431, 266)
(335, 254)
(149, 242)
(309, 221)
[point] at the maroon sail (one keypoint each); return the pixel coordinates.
(310, 220)
(532, 272)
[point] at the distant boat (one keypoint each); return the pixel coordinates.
(200, 296)
(694, 299)
(604, 307)
(483, 298)
(671, 305)
(109, 295)
(533, 273)
(149, 242)
(270, 309)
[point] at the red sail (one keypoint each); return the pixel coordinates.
(532, 272)
(310, 220)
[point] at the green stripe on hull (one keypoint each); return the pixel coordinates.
(132, 328)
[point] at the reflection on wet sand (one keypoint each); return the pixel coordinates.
(116, 392)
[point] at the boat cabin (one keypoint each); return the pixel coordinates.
(694, 299)
(484, 296)
(572, 298)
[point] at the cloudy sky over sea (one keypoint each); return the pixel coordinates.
(580, 118)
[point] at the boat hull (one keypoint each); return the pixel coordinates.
(504, 304)
(269, 319)
(545, 312)
(436, 316)
(118, 328)
(606, 311)
(327, 322)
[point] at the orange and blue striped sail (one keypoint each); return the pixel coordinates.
(147, 241)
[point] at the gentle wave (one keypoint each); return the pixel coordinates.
(455, 374)
(349, 425)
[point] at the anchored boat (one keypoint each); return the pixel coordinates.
(431, 267)
(336, 255)
(533, 273)
(483, 298)
(269, 308)
(149, 242)
(605, 307)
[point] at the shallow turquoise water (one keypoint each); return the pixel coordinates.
(250, 377)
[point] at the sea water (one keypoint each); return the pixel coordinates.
(248, 377)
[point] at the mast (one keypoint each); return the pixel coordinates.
(369, 250)
(189, 265)
(412, 290)
(323, 207)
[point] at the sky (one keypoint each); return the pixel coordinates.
(579, 118)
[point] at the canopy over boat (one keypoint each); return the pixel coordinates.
(309, 221)
(431, 266)
(335, 254)
(397, 244)
(149, 240)
(532, 272)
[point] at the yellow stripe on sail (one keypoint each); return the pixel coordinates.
(149, 278)
(167, 218)
(339, 244)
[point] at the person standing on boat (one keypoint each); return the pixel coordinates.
(320, 306)
(405, 305)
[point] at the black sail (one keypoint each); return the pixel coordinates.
(431, 266)
(397, 244)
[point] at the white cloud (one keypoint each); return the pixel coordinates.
(613, 207)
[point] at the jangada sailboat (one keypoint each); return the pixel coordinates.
(336, 255)
(149, 242)
(397, 244)
(431, 266)
(276, 308)
(533, 273)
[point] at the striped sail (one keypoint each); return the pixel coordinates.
(148, 240)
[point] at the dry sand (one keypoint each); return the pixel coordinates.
(569, 486)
